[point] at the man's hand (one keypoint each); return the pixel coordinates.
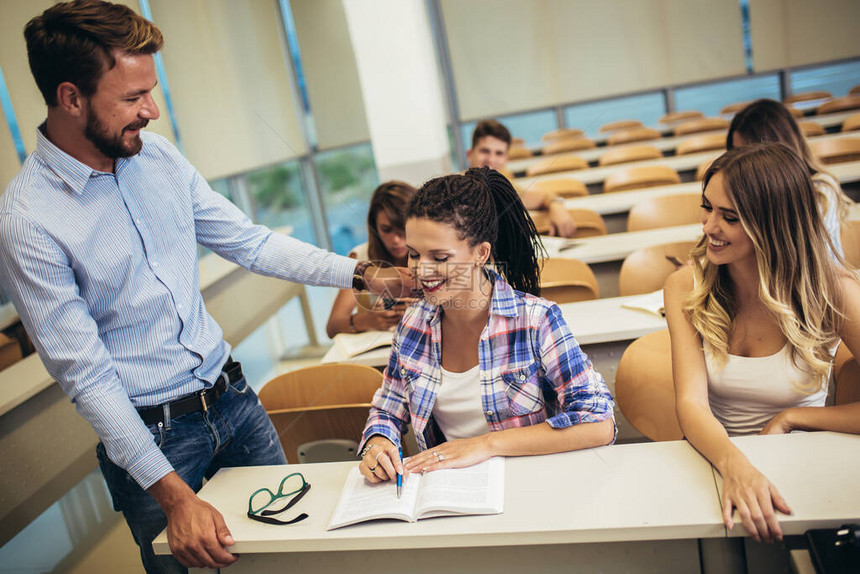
(196, 531)
(391, 282)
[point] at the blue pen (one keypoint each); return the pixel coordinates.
(400, 476)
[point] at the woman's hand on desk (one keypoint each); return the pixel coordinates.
(381, 461)
(756, 499)
(780, 424)
(458, 453)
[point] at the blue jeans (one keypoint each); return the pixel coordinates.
(235, 431)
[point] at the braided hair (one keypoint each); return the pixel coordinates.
(482, 205)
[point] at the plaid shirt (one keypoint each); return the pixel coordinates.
(532, 370)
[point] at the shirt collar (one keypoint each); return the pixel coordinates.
(503, 301)
(74, 173)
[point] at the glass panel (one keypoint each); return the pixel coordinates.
(277, 198)
(647, 108)
(347, 178)
(529, 126)
(837, 79)
(711, 98)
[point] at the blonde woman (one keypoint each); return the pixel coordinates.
(755, 321)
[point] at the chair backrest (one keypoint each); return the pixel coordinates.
(588, 222)
(704, 142)
(620, 125)
(851, 123)
(320, 403)
(847, 374)
(703, 167)
(561, 133)
(560, 145)
(567, 280)
(851, 242)
(645, 270)
(556, 164)
(518, 141)
(734, 108)
(633, 135)
(839, 105)
(563, 186)
(811, 128)
(701, 125)
(673, 118)
(640, 177)
(629, 153)
(665, 211)
(854, 90)
(808, 96)
(519, 152)
(830, 151)
(645, 389)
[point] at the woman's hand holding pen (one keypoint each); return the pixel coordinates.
(458, 453)
(382, 461)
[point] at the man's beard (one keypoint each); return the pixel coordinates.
(109, 145)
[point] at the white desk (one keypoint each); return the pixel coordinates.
(554, 507)
(622, 508)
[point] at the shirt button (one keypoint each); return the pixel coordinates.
(402, 371)
(155, 263)
(522, 377)
(179, 306)
(489, 413)
(137, 221)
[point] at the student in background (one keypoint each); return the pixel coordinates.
(481, 367)
(386, 242)
(491, 142)
(769, 121)
(755, 321)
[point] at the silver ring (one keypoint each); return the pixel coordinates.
(372, 469)
(434, 453)
(441, 457)
(376, 458)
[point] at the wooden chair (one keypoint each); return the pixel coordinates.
(796, 113)
(851, 123)
(645, 389)
(832, 151)
(556, 164)
(564, 187)
(640, 177)
(732, 109)
(808, 97)
(507, 173)
(701, 125)
(589, 223)
(320, 407)
(839, 105)
(854, 91)
(633, 135)
(811, 129)
(646, 270)
(567, 280)
(700, 143)
(703, 167)
(518, 141)
(846, 372)
(674, 118)
(850, 234)
(519, 152)
(10, 351)
(665, 211)
(629, 153)
(620, 125)
(561, 145)
(561, 133)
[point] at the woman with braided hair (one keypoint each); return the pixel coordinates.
(482, 366)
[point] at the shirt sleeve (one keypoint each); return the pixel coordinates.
(582, 393)
(226, 230)
(41, 283)
(389, 411)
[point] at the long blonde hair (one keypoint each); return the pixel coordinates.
(773, 195)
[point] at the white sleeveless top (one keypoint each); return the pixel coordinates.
(360, 252)
(459, 405)
(749, 391)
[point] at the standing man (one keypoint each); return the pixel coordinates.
(491, 142)
(98, 250)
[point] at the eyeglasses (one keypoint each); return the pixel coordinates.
(262, 499)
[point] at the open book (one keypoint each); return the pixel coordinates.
(650, 303)
(478, 489)
(352, 344)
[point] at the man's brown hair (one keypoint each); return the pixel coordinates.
(491, 128)
(73, 41)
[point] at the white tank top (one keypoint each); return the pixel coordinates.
(749, 391)
(458, 409)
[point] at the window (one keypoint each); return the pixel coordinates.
(711, 98)
(647, 108)
(276, 198)
(837, 79)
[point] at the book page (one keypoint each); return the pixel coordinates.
(478, 489)
(361, 500)
(352, 344)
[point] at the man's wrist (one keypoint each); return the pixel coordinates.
(170, 491)
(358, 281)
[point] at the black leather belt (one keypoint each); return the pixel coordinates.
(200, 401)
